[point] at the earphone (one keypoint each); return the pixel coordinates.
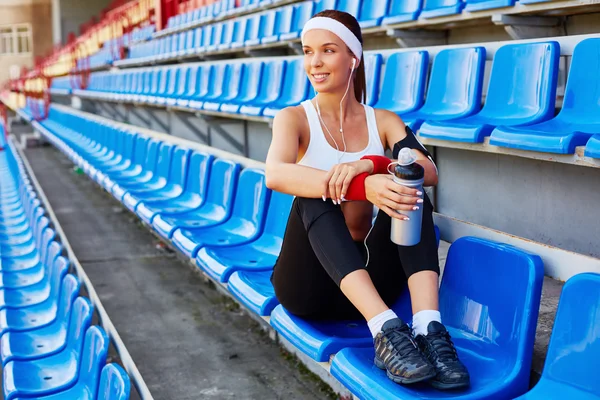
(353, 63)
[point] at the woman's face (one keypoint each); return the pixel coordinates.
(327, 61)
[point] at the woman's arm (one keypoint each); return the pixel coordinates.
(282, 172)
(394, 130)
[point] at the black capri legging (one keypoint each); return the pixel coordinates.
(318, 251)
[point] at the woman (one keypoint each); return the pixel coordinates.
(322, 269)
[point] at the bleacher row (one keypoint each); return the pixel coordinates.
(48, 346)
(224, 218)
(280, 25)
(519, 111)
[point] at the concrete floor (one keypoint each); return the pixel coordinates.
(188, 341)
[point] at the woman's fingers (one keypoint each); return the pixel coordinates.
(393, 213)
(344, 175)
(401, 189)
(326, 180)
(332, 185)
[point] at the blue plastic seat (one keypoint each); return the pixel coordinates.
(244, 225)
(204, 80)
(592, 149)
(454, 89)
(493, 333)
(192, 86)
(521, 91)
(372, 12)
(158, 180)
(172, 84)
(231, 87)
(574, 344)
(301, 14)
(258, 255)
(266, 29)
(214, 210)
(402, 11)
(216, 38)
(282, 25)
(240, 31)
(254, 290)
(440, 8)
(183, 79)
(350, 6)
(216, 84)
(107, 178)
(177, 174)
(579, 117)
(249, 87)
(295, 88)
(114, 383)
(478, 5)
(270, 88)
(73, 373)
(227, 37)
(372, 73)
(403, 83)
(252, 30)
(51, 339)
(193, 195)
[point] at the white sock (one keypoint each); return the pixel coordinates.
(377, 321)
(422, 319)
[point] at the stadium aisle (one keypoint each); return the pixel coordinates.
(186, 341)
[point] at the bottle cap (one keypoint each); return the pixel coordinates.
(406, 156)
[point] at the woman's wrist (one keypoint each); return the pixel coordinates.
(380, 163)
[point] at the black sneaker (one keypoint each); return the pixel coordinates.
(398, 354)
(440, 351)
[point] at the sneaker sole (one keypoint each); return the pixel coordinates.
(448, 386)
(398, 379)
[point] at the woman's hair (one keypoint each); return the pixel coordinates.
(351, 23)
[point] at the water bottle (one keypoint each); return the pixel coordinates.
(408, 173)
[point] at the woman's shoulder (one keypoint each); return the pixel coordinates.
(290, 115)
(389, 121)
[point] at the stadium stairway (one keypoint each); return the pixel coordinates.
(494, 334)
(48, 346)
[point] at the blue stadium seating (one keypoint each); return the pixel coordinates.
(269, 90)
(478, 5)
(249, 86)
(440, 8)
(493, 333)
(403, 85)
(192, 196)
(454, 87)
(215, 208)
(522, 91)
(301, 14)
(295, 89)
(372, 12)
(258, 255)
(254, 290)
(579, 117)
(231, 87)
(592, 149)
(372, 72)
(574, 344)
(114, 383)
(244, 224)
(402, 11)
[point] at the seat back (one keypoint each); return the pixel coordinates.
(198, 173)
(222, 183)
(239, 30)
(575, 341)
(350, 6)
(217, 34)
(271, 82)
(181, 40)
(435, 4)
(150, 163)
(173, 83)
(228, 31)
(80, 318)
(523, 82)
(156, 80)
(296, 85)
(252, 197)
(114, 383)
(583, 84)
(184, 77)
(283, 20)
(59, 270)
(141, 145)
(47, 238)
(217, 81)
(456, 82)
(95, 350)
(204, 80)
(372, 73)
(69, 289)
(234, 73)
(373, 9)
(207, 33)
(165, 156)
(302, 13)
(268, 20)
(192, 85)
(42, 240)
(497, 306)
(179, 166)
(251, 83)
(129, 144)
(190, 37)
(404, 81)
(252, 27)
(53, 251)
(278, 213)
(198, 34)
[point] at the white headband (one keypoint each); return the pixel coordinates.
(338, 29)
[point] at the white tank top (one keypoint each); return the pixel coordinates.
(321, 155)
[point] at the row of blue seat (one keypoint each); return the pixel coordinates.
(232, 226)
(48, 346)
(519, 111)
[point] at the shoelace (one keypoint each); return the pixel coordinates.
(402, 341)
(442, 345)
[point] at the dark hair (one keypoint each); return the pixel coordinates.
(351, 23)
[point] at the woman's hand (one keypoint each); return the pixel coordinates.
(337, 180)
(389, 196)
